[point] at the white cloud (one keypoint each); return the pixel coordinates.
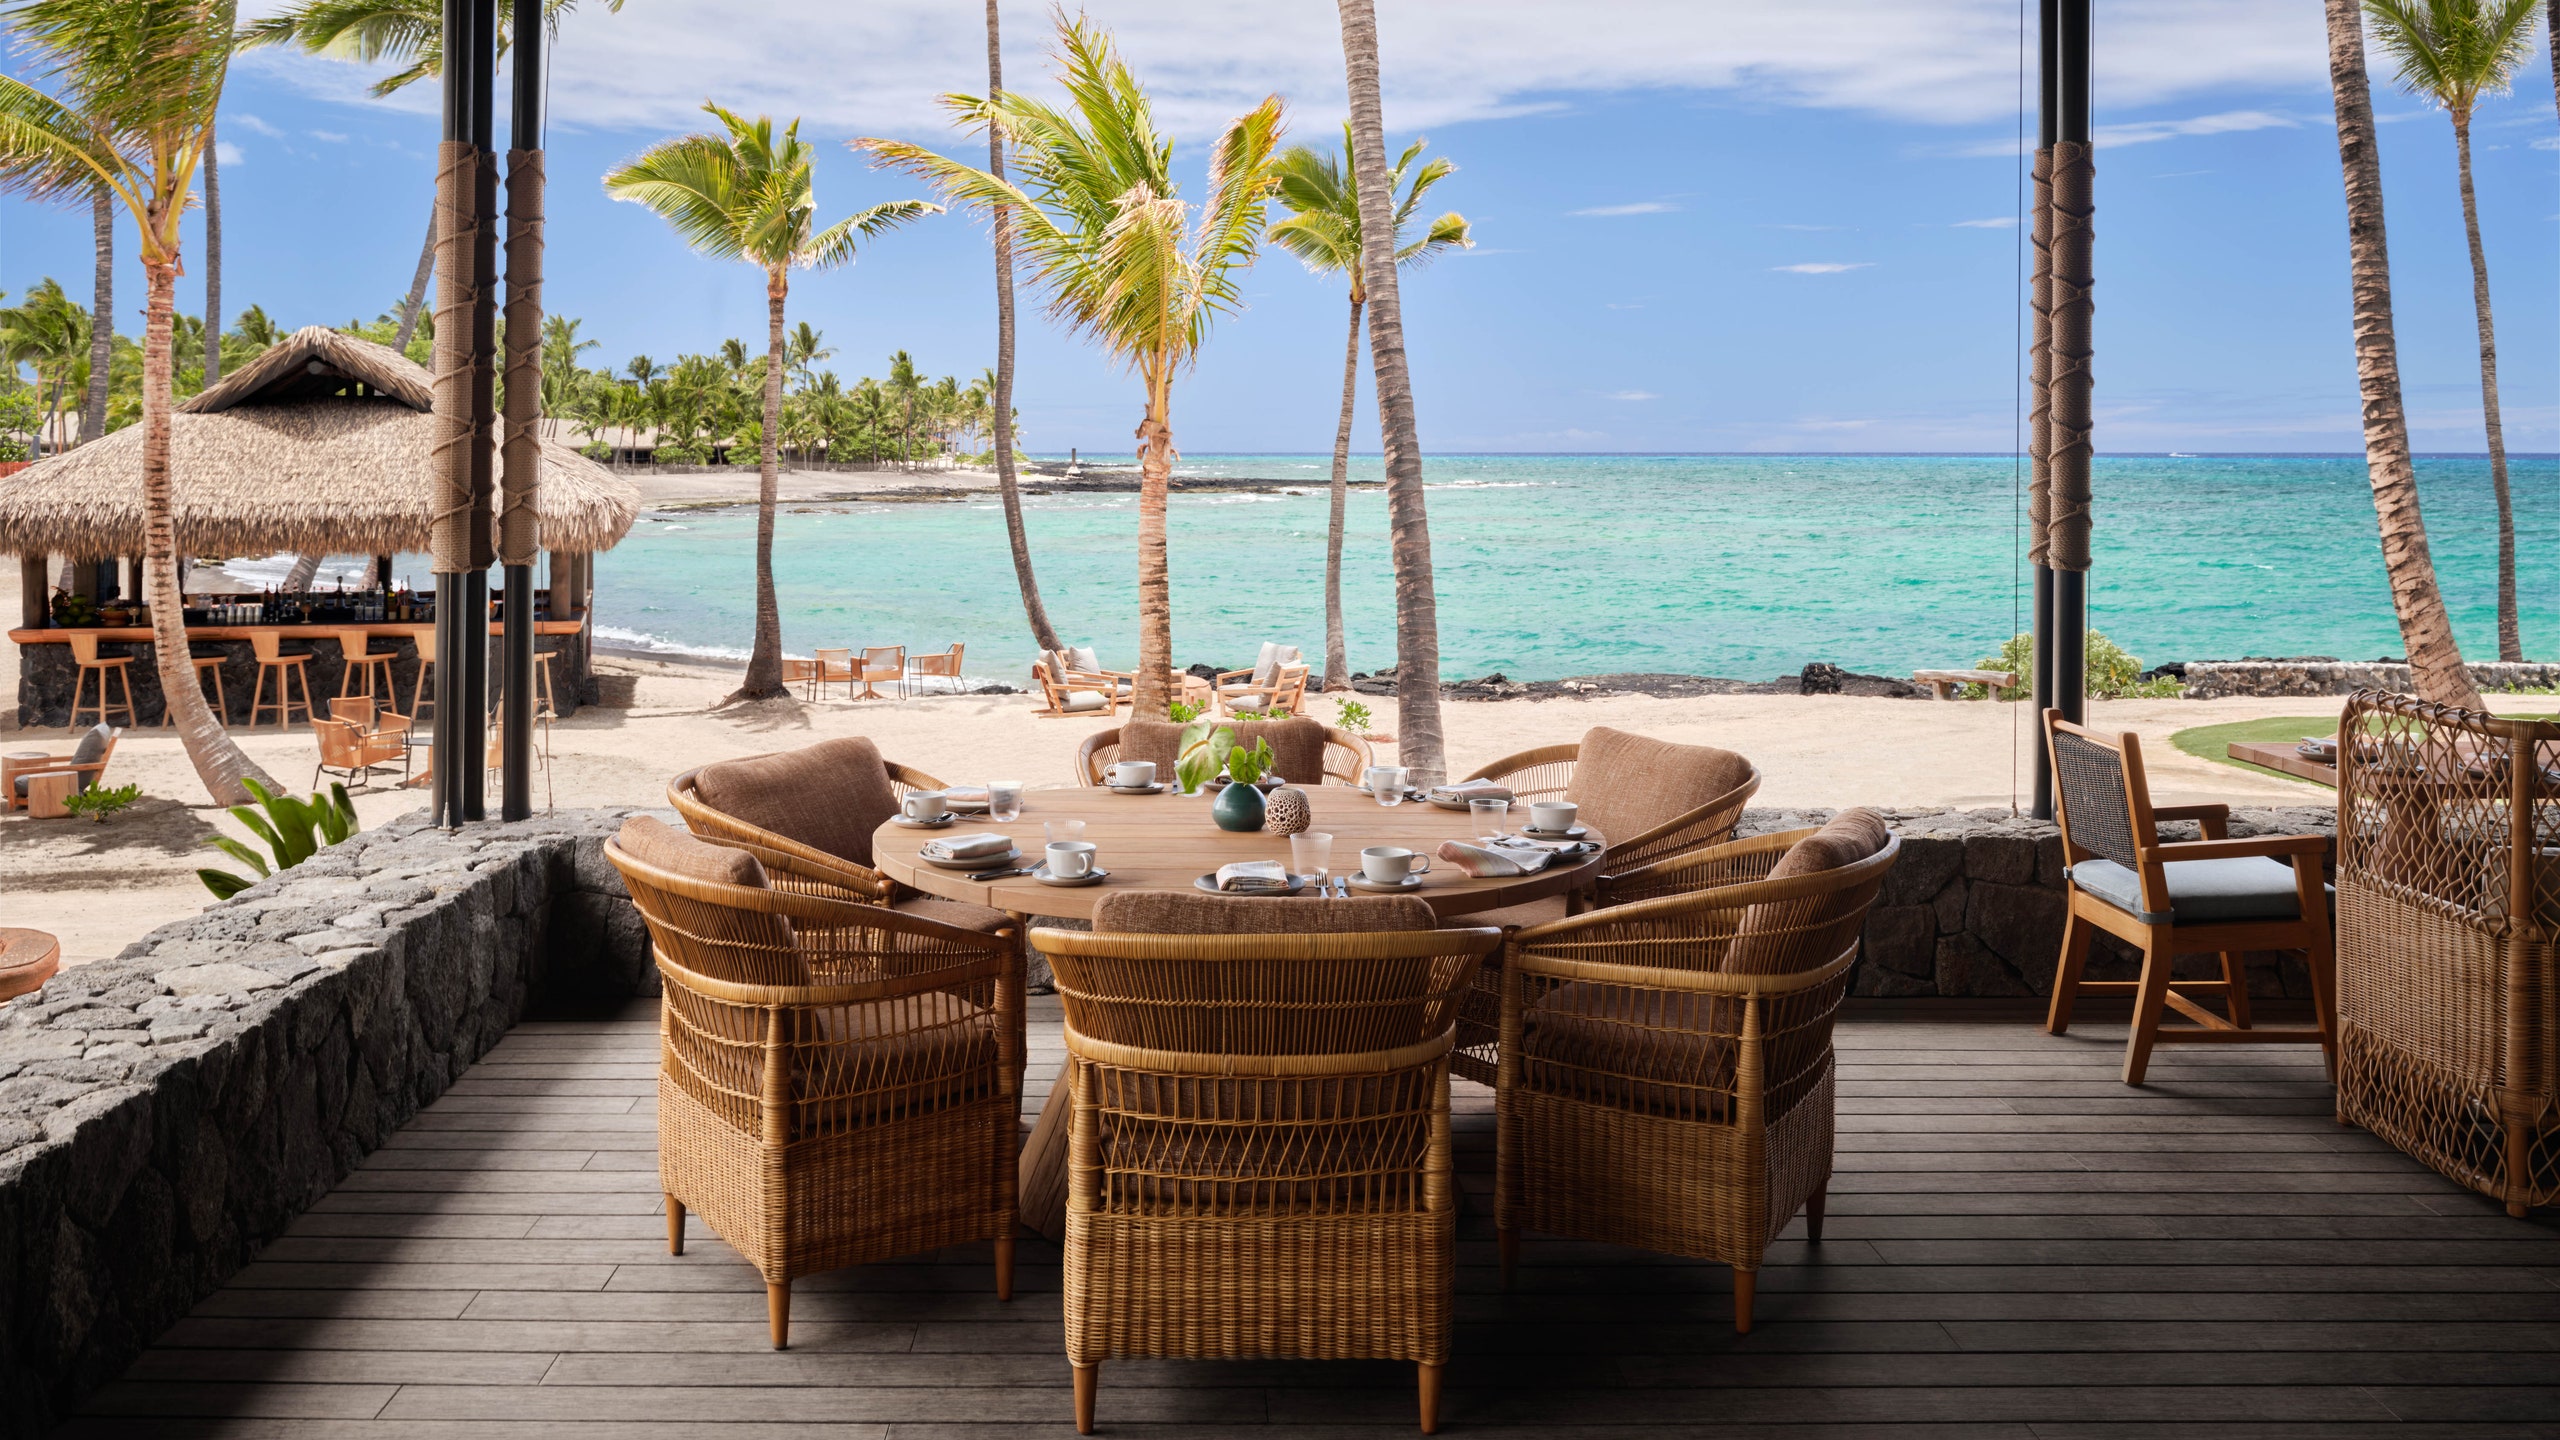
(1822, 267)
(1996, 222)
(1640, 207)
(332, 136)
(227, 153)
(1613, 305)
(253, 125)
(876, 67)
(1811, 229)
(2229, 122)
(1633, 395)
(2547, 142)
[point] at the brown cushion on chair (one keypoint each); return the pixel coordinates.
(1297, 745)
(1642, 1049)
(829, 796)
(959, 914)
(1758, 946)
(654, 843)
(896, 1052)
(1180, 912)
(1628, 784)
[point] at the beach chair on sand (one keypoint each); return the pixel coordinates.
(1276, 683)
(1073, 682)
(87, 762)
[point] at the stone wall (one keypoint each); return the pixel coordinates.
(2221, 679)
(1973, 909)
(164, 1114)
(46, 673)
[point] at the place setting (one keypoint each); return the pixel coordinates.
(1133, 777)
(1309, 871)
(1552, 837)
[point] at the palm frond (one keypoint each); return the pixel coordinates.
(693, 183)
(1449, 232)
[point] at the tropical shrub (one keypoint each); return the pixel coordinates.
(679, 455)
(597, 451)
(1351, 716)
(294, 830)
(99, 801)
(1183, 712)
(2109, 672)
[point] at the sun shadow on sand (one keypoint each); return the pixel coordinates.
(147, 839)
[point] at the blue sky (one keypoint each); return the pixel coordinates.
(1701, 226)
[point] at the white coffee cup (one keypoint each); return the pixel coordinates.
(924, 805)
(1553, 816)
(1132, 774)
(1070, 859)
(1392, 864)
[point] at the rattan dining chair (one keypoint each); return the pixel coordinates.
(1666, 1071)
(1259, 1158)
(1648, 797)
(838, 1084)
(1346, 756)
(2215, 896)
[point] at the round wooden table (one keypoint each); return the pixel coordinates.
(1167, 841)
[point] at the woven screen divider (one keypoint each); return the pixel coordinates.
(2448, 905)
(520, 449)
(2068, 356)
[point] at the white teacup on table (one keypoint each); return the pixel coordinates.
(1392, 864)
(1130, 774)
(924, 805)
(1070, 859)
(1553, 817)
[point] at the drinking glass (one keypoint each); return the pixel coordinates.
(1311, 853)
(1004, 800)
(1489, 816)
(1386, 783)
(1061, 830)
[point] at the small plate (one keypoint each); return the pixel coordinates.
(1069, 882)
(1297, 886)
(1576, 833)
(1363, 882)
(1158, 788)
(975, 862)
(946, 822)
(1458, 805)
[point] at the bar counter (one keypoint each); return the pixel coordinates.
(408, 630)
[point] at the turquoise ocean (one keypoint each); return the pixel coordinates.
(1555, 565)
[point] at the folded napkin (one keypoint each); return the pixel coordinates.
(968, 799)
(1253, 877)
(1466, 790)
(1509, 855)
(985, 843)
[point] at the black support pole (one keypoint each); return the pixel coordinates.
(516, 728)
(2072, 46)
(2042, 618)
(473, 772)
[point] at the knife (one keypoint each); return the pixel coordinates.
(985, 875)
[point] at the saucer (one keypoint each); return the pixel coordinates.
(1297, 886)
(1363, 882)
(946, 822)
(1158, 788)
(1458, 805)
(975, 862)
(1069, 882)
(1534, 833)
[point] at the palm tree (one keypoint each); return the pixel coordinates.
(2435, 659)
(1008, 484)
(102, 313)
(2450, 53)
(138, 81)
(212, 257)
(407, 33)
(51, 334)
(806, 346)
(1418, 736)
(746, 195)
(1323, 231)
(1098, 214)
(904, 382)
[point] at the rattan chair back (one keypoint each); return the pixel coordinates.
(1547, 772)
(2098, 795)
(685, 794)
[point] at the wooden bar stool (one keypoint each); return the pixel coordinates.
(205, 665)
(421, 694)
(84, 648)
(290, 672)
(364, 663)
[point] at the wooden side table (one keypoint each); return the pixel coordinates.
(28, 958)
(45, 794)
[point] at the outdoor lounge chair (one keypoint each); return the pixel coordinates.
(838, 1084)
(1260, 1132)
(819, 805)
(1073, 682)
(87, 761)
(1346, 755)
(357, 750)
(1275, 681)
(2213, 896)
(1666, 1073)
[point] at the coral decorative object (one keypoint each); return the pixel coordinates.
(1286, 812)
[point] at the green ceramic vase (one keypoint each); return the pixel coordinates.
(1238, 807)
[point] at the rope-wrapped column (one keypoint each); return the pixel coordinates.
(2067, 446)
(519, 536)
(2040, 363)
(449, 537)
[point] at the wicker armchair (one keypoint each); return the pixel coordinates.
(1345, 756)
(1650, 798)
(1666, 1074)
(855, 875)
(1260, 1161)
(2448, 937)
(838, 1084)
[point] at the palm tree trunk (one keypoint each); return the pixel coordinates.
(1418, 736)
(2510, 638)
(212, 260)
(1043, 633)
(1337, 670)
(417, 296)
(764, 662)
(2435, 659)
(1152, 698)
(102, 317)
(219, 763)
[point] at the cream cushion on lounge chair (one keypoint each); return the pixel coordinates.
(829, 796)
(1076, 702)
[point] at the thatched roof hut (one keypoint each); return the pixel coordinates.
(322, 445)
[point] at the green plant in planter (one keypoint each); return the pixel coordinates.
(1351, 716)
(293, 829)
(1183, 712)
(98, 802)
(1240, 806)
(1247, 766)
(1201, 752)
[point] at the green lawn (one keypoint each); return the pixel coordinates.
(2212, 742)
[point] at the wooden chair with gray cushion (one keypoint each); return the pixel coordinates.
(838, 1083)
(820, 804)
(2215, 896)
(1068, 691)
(1260, 1132)
(1266, 684)
(88, 761)
(1344, 757)
(1666, 1066)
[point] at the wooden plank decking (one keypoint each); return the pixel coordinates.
(2018, 1246)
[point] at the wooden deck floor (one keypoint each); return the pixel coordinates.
(2018, 1246)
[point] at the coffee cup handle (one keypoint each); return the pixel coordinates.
(1424, 868)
